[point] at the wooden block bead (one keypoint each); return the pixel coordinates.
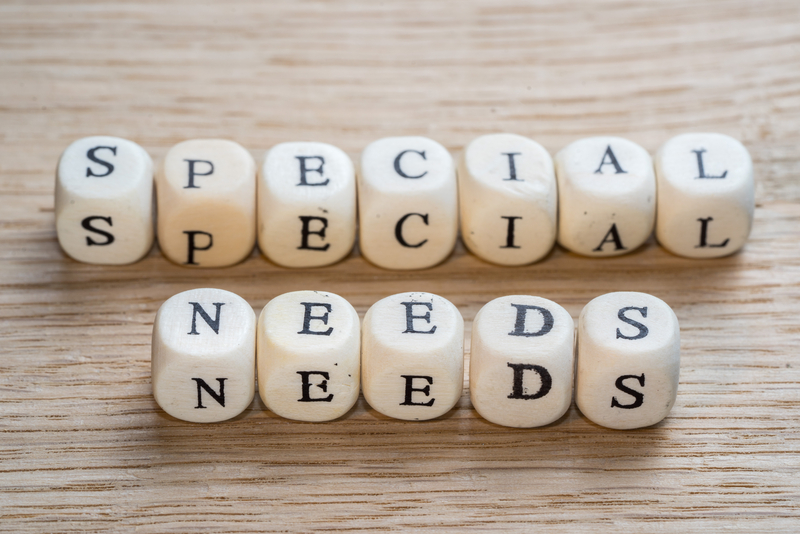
(521, 361)
(508, 199)
(606, 196)
(309, 356)
(104, 201)
(408, 202)
(203, 362)
(206, 203)
(412, 356)
(628, 360)
(705, 195)
(306, 205)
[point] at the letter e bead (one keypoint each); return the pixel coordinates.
(521, 361)
(203, 362)
(207, 203)
(628, 360)
(306, 205)
(104, 201)
(412, 356)
(606, 196)
(309, 345)
(705, 195)
(408, 202)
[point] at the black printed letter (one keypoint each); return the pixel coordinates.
(612, 160)
(192, 246)
(87, 224)
(305, 231)
(522, 314)
(399, 171)
(193, 173)
(307, 317)
(623, 388)
(304, 170)
(410, 389)
(201, 385)
(704, 234)
(323, 385)
(512, 169)
(197, 308)
(611, 237)
(91, 155)
(410, 317)
(700, 170)
(642, 328)
(398, 229)
(518, 391)
(510, 232)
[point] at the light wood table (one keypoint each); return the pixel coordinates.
(84, 447)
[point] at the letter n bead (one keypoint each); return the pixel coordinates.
(203, 362)
(309, 345)
(606, 196)
(306, 205)
(104, 201)
(521, 361)
(412, 356)
(628, 360)
(508, 199)
(207, 203)
(705, 195)
(408, 202)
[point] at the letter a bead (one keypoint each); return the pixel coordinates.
(408, 202)
(521, 361)
(306, 205)
(628, 360)
(606, 196)
(309, 345)
(705, 195)
(508, 199)
(206, 203)
(104, 201)
(203, 362)
(412, 356)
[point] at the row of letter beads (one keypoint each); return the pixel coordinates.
(312, 355)
(598, 199)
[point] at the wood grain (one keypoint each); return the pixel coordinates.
(83, 446)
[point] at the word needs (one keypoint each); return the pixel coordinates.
(312, 358)
(511, 202)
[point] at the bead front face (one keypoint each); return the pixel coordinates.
(206, 202)
(521, 361)
(306, 205)
(628, 360)
(607, 196)
(309, 345)
(203, 361)
(413, 356)
(706, 195)
(408, 203)
(104, 201)
(508, 199)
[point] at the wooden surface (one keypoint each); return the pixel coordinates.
(83, 446)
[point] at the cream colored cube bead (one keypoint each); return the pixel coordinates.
(203, 362)
(628, 360)
(408, 202)
(412, 356)
(521, 361)
(309, 356)
(207, 203)
(606, 196)
(705, 195)
(306, 205)
(104, 201)
(508, 199)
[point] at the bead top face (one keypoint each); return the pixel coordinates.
(104, 201)
(203, 360)
(607, 196)
(511, 163)
(407, 165)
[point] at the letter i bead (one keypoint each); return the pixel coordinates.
(521, 361)
(408, 202)
(306, 205)
(309, 345)
(104, 201)
(705, 195)
(203, 361)
(412, 356)
(206, 192)
(628, 360)
(606, 196)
